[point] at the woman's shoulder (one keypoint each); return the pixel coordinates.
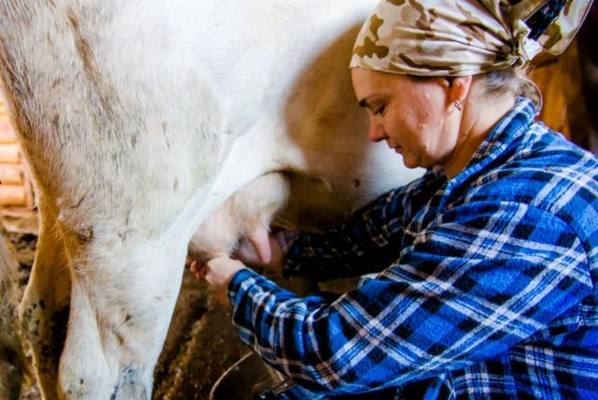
(546, 157)
(522, 161)
(547, 172)
(540, 143)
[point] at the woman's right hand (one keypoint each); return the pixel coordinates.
(265, 250)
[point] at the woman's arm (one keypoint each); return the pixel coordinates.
(368, 242)
(482, 279)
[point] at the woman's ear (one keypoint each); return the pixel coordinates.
(458, 88)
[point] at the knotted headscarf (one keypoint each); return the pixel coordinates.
(464, 37)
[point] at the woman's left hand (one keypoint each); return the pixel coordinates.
(217, 272)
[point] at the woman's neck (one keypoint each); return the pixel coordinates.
(478, 119)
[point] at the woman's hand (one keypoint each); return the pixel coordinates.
(262, 250)
(217, 272)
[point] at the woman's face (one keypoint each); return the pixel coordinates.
(413, 115)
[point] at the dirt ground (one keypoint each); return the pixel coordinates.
(200, 346)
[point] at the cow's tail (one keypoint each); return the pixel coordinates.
(12, 361)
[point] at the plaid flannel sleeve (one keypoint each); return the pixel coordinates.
(479, 280)
(368, 242)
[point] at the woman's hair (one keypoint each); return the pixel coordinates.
(510, 81)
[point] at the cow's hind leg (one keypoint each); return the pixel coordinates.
(122, 299)
(45, 305)
(116, 301)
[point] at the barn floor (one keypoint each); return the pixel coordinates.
(200, 346)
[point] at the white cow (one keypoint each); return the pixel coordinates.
(139, 119)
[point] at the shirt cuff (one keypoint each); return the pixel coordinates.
(234, 286)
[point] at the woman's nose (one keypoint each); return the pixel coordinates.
(376, 131)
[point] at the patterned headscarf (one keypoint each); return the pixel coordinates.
(464, 37)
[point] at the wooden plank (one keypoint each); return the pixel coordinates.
(12, 195)
(19, 219)
(559, 80)
(7, 133)
(10, 153)
(11, 174)
(554, 111)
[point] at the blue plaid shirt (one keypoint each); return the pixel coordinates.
(486, 284)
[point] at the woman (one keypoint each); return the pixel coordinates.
(486, 266)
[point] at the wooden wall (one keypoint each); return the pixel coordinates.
(15, 180)
(564, 108)
(569, 85)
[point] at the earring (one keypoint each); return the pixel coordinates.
(458, 105)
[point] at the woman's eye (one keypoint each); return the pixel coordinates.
(380, 110)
